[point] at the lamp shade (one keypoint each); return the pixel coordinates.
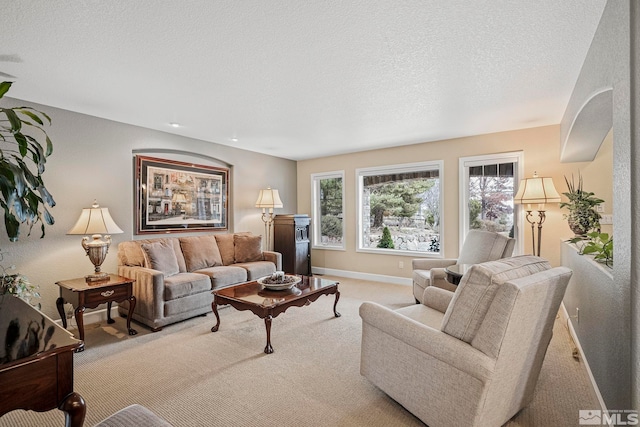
(536, 190)
(95, 220)
(269, 198)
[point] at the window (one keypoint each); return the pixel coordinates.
(400, 208)
(487, 186)
(328, 210)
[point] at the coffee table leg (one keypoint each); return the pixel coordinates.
(267, 323)
(335, 313)
(214, 308)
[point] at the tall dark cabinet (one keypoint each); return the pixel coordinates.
(291, 238)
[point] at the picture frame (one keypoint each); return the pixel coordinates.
(174, 196)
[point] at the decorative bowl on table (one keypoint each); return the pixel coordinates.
(277, 282)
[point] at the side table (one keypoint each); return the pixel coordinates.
(82, 294)
(455, 272)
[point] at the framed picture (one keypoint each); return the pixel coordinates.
(173, 196)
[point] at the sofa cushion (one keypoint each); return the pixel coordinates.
(185, 284)
(200, 252)
(226, 247)
(257, 269)
(248, 248)
(161, 256)
(224, 275)
(477, 290)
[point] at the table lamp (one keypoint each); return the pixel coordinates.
(96, 221)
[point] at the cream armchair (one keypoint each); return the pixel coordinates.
(479, 246)
(471, 357)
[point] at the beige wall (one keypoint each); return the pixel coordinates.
(541, 150)
(93, 158)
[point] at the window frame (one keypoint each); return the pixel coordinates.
(482, 160)
(316, 241)
(360, 173)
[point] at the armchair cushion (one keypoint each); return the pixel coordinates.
(161, 256)
(477, 290)
(200, 252)
(248, 248)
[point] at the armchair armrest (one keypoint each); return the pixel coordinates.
(437, 298)
(148, 290)
(274, 257)
(432, 342)
(429, 263)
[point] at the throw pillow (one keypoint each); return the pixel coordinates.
(225, 245)
(200, 252)
(161, 256)
(248, 248)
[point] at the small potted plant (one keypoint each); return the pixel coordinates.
(582, 216)
(600, 245)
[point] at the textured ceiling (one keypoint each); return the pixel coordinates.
(302, 79)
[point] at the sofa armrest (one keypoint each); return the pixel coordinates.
(274, 257)
(429, 263)
(430, 341)
(437, 298)
(148, 290)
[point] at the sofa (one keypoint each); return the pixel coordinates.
(174, 276)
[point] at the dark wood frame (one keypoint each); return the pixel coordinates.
(174, 196)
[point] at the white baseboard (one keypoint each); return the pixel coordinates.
(95, 316)
(565, 317)
(363, 276)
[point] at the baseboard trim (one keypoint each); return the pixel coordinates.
(565, 317)
(363, 276)
(95, 316)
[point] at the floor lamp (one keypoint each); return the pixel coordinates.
(536, 190)
(268, 199)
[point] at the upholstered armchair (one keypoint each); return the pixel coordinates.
(479, 246)
(470, 357)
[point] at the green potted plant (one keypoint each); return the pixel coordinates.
(600, 245)
(582, 216)
(23, 195)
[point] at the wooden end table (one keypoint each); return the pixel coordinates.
(36, 363)
(82, 294)
(455, 272)
(267, 304)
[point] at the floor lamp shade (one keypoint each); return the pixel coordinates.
(96, 221)
(536, 190)
(269, 198)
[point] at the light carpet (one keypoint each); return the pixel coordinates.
(193, 377)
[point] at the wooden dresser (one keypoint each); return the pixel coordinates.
(291, 237)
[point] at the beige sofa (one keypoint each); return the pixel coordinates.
(175, 275)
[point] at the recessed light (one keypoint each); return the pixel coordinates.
(174, 125)
(234, 139)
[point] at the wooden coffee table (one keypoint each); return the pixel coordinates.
(267, 304)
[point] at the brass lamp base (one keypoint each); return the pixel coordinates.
(99, 277)
(97, 250)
